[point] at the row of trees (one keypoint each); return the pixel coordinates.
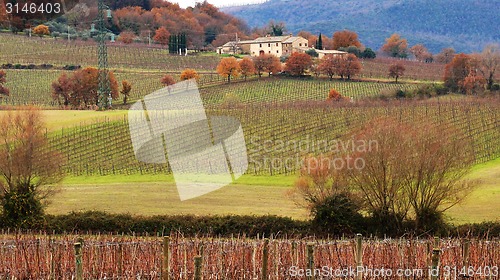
(80, 90)
(410, 173)
(345, 66)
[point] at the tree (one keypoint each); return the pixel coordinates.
(29, 166)
(298, 63)
(61, 90)
(162, 36)
(330, 65)
(167, 80)
(396, 46)
(445, 56)
(349, 66)
(421, 53)
(80, 90)
(345, 39)
(457, 70)
(489, 63)
(126, 88)
(247, 67)
(127, 37)
(473, 84)
(312, 53)
(396, 70)
(276, 29)
(188, 74)
(3, 79)
(368, 53)
(266, 63)
(319, 43)
(41, 30)
(411, 167)
(228, 67)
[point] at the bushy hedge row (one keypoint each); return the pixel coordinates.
(251, 226)
(190, 225)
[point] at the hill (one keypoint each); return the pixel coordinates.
(462, 24)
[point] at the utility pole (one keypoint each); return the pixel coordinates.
(103, 90)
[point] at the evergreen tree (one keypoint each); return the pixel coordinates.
(319, 43)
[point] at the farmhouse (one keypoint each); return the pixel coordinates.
(275, 45)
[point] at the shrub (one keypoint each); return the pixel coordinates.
(312, 53)
(337, 214)
(495, 87)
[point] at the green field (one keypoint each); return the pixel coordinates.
(250, 195)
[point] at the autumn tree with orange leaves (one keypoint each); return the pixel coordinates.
(396, 46)
(298, 63)
(345, 39)
(188, 74)
(162, 36)
(247, 67)
(229, 67)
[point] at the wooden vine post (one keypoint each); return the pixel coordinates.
(359, 256)
(265, 259)
(436, 252)
(166, 259)
(197, 268)
(78, 261)
(310, 259)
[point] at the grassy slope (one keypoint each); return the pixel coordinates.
(156, 194)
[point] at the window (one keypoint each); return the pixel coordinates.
(269, 45)
(269, 51)
(306, 44)
(276, 44)
(278, 51)
(300, 44)
(260, 45)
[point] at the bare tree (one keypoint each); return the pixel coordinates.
(27, 166)
(489, 63)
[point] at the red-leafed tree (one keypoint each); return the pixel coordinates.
(457, 70)
(349, 66)
(396, 70)
(126, 88)
(298, 63)
(167, 80)
(330, 65)
(80, 90)
(267, 63)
